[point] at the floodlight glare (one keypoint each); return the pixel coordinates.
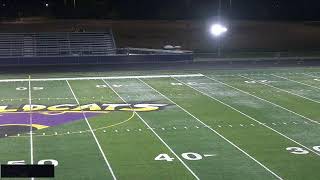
(218, 29)
(47, 5)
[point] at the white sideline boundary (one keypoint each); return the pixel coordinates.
(248, 116)
(101, 78)
(217, 133)
(156, 134)
(94, 136)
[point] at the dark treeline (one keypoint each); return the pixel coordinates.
(163, 9)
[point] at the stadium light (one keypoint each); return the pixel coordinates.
(47, 4)
(218, 29)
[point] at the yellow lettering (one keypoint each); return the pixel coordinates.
(4, 109)
(33, 107)
(62, 107)
(90, 107)
(144, 107)
(112, 107)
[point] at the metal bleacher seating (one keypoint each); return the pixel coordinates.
(57, 44)
(76, 48)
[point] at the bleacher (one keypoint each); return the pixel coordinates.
(57, 44)
(76, 48)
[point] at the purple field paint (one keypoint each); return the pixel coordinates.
(43, 119)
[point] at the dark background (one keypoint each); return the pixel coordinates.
(163, 9)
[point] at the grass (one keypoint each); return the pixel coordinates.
(228, 124)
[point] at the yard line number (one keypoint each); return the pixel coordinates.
(300, 150)
(25, 88)
(190, 156)
(258, 81)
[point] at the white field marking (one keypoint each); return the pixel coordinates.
(209, 155)
(245, 74)
(217, 133)
(30, 122)
(94, 136)
(310, 75)
(101, 78)
(296, 81)
(284, 90)
(184, 164)
(279, 106)
(317, 153)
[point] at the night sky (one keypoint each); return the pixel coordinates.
(164, 9)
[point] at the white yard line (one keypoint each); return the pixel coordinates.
(282, 90)
(231, 107)
(183, 163)
(94, 136)
(245, 92)
(234, 145)
(101, 78)
(30, 121)
(296, 81)
(311, 75)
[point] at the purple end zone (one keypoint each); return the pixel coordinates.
(43, 119)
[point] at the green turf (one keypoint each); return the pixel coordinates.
(244, 120)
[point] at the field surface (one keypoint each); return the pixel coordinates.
(219, 124)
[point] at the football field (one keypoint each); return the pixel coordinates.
(209, 125)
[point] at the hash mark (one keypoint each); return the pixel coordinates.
(209, 155)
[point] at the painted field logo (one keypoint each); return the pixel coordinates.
(15, 120)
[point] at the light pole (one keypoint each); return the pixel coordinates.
(218, 30)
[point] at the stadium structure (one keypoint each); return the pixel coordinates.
(192, 122)
(71, 48)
